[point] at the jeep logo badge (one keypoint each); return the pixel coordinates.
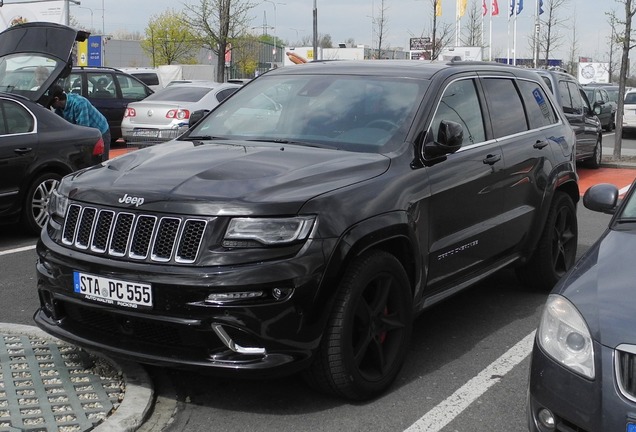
(137, 201)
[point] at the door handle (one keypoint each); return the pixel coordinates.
(492, 159)
(540, 144)
(23, 150)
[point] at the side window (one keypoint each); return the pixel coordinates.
(566, 100)
(577, 96)
(540, 110)
(72, 83)
(223, 94)
(15, 118)
(605, 96)
(460, 104)
(507, 114)
(131, 88)
(100, 85)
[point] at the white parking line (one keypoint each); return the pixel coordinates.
(17, 250)
(446, 411)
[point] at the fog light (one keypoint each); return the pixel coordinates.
(281, 293)
(546, 418)
(233, 296)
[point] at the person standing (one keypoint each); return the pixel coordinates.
(78, 110)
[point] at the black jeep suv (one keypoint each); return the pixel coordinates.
(305, 221)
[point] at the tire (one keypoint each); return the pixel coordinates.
(556, 251)
(597, 157)
(366, 340)
(34, 211)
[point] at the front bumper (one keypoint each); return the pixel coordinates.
(263, 337)
(576, 403)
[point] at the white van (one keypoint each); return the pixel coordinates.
(148, 75)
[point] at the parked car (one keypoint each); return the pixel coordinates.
(109, 90)
(147, 75)
(165, 114)
(603, 106)
(582, 374)
(37, 147)
(306, 220)
(629, 112)
(580, 115)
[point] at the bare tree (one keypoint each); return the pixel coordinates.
(219, 22)
(472, 33)
(380, 24)
(549, 38)
(574, 48)
(613, 42)
(626, 41)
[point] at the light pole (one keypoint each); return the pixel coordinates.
(91, 10)
(275, 39)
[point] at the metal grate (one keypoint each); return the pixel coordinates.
(136, 236)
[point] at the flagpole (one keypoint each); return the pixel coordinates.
(537, 25)
(514, 37)
(511, 4)
(457, 22)
(490, 36)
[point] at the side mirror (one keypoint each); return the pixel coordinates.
(602, 197)
(450, 136)
(597, 108)
(196, 116)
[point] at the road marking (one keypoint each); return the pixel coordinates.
(446, 411)
(17, 250)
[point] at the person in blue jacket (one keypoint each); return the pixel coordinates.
(78, 110)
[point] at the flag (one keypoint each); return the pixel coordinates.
(438, 8)
(462, 7)
(540, 7)
(484, 8)
(519, 7)
(495, 8)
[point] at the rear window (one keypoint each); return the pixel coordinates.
(180, 94)
(147, 78)
(630, 98)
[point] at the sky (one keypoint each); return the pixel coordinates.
(291, 20)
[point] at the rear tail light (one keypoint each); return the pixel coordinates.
(98, 149)
(179, 114)
(130, 112)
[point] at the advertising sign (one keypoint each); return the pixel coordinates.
(94, 51)
(19, 13)
(594, 72)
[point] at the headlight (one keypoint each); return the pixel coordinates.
(58, 203)
(564, 336)
(244, 232)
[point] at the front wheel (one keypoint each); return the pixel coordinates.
(35, 209)
(556, 250)
(366, 340)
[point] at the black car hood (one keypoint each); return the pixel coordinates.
(603, 286)
(223, 177)
(54, 41)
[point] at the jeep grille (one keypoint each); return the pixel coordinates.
(141, 237)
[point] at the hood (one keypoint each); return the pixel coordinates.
(602, 287)
(223, 177)
(30, 46)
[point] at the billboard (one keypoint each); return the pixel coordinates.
(594, 72)
(19, 13)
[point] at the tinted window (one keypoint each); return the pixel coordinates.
(630, 98)
(15, 118)
(507, 114)
(100, 85)
(180, 93)
(460, 104)
(566, 100)
(540, 110)
(223, 94)
(147, 78)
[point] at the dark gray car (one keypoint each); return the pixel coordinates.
(583, 369)
(580, 115)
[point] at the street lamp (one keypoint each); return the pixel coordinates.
(275, 38)
(91, 10)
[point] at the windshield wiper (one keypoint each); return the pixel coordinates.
(287, 141)
(202, 138)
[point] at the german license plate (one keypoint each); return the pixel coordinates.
(152, 133)
(113, 291)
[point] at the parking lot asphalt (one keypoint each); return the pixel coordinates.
(49, 385)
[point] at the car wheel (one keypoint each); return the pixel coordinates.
(556, 251)
(34, 212)
(366, 339)
(595, 161)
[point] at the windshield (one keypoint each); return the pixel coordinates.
(354, 113)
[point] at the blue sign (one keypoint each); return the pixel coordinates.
(95, 51)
